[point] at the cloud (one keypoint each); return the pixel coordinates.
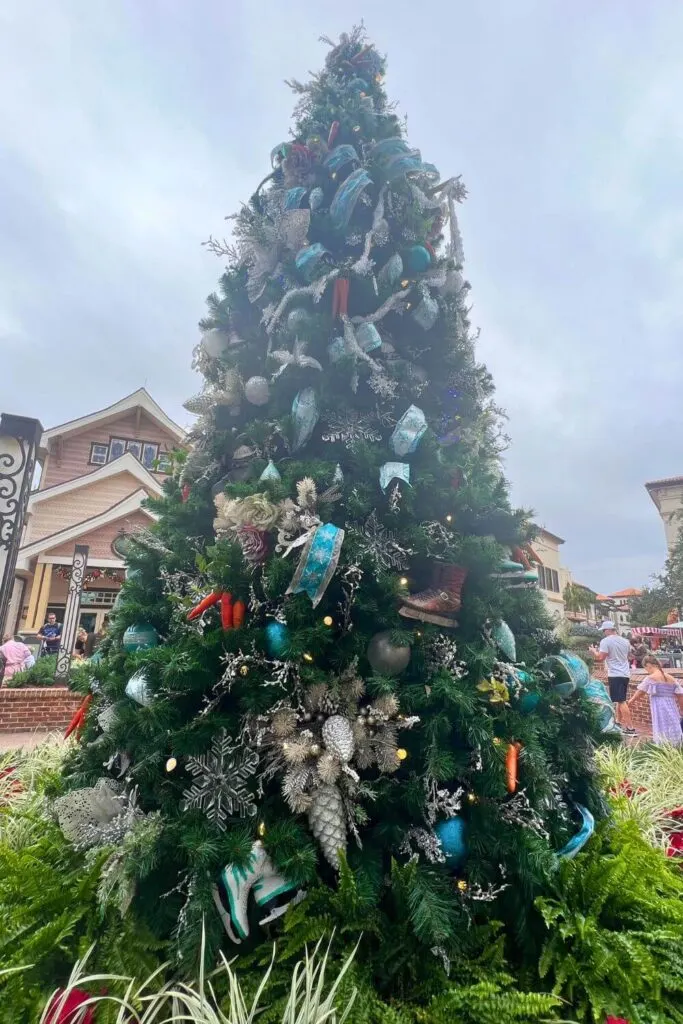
(129, 130)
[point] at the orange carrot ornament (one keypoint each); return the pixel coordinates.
(227, 611)
(511, 760)
(78, 721)
(238, 612)
(206, 602)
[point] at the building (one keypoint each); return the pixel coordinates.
(617, 607)
(95, 474)
(551, 575)
(667, 496)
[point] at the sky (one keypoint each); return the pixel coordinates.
(130, 128)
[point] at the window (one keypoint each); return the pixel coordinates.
(554, 580)
(117, 447)
(541, 576)
(164, 463)
(135, 448)
(149, 455)
(99, 453)
(98, 598)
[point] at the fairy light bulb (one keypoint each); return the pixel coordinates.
(405, 283)
(171, 764)
(328, 621)
(261, 828)
(449, 518)
(403, 581)
(401, 753)
(308, 657)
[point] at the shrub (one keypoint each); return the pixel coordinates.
(43, 674)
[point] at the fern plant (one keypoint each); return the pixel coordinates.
(614, 922)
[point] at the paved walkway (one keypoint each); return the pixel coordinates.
(22, 740)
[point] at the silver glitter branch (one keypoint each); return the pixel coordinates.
(272, 315)
(364, 264)
(395, 303)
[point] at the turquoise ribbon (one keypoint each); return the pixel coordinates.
(318, 562)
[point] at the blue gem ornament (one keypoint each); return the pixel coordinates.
(305, 414)
(140, 637)
(277, 638)
(452, 834)
(408, 431)
(270, 474)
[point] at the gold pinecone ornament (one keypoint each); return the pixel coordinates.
(328, 824)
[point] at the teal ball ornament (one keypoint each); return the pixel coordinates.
(385, 657)
(529, 703)
(277, 638)
(140, 637)
(452, 834)
(417, 259)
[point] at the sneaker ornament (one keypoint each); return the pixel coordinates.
(260, 877)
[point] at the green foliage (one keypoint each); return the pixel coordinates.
(578, 598)
(43, 674)
(653, 606)
(645, 783)
(615, 918)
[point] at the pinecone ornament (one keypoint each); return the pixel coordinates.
(338, 737)
(326, 818)
(329, 703)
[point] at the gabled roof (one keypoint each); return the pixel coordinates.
(127, 463)
(138, 399)
(629, 592)
(133, 503)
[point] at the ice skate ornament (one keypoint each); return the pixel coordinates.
(513, 575)
(440, 602)
(260, 877)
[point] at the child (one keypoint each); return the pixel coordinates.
(662, 690)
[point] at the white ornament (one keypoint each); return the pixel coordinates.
(338, 737)
(257, 391)
(215, 343)
(328, 824)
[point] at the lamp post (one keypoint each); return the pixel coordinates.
(19, 441)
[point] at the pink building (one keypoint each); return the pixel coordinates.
(96, 471)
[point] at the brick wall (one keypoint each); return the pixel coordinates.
(37, 707)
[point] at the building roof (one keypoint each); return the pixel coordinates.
(138, 399)
(126, 463)
(629, 592)
(553, 536)
(665, 482)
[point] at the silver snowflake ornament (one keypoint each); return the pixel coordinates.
(221, 776)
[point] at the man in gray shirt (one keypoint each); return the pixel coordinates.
(614, 650)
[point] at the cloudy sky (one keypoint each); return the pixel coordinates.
(129, 128)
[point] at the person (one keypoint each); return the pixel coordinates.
(662, 689)
(614, 651)
(95, 639)
(640, 652)
(81, 641)
(17, 656)
(50, 635)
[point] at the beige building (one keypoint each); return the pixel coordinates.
(551, 575)
(668, 498)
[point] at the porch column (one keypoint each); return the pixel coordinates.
(72, 612)
(40, 593)
(19, 440)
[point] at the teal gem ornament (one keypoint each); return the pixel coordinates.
(505, 640)
(270, 474)
(391, 273)
(137, 689)
(368, 337)
(408, 432)
(277, 638)
(452, 834)
(579, 840)
(305, 414)
(394, 471)
(140, 637)
(417, 259)
(529, 703)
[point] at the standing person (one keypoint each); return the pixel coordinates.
(81, 641)
(662, 689)
(640, 652)
(16, 654)
(614, 651)
(50, 635)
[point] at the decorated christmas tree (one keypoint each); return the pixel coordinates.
(330, 697)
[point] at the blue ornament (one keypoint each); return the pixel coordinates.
(346, 197)
(578, 841)
(452, 834)
(393, 471)
(271, 472)
(305, 415)
(277, 638)
(505, 640)
(391, 272)
(315, 200)
(529, 703)
(140, 637)
(597, 694)
(318, 562)
(417, 259)
(577, 668)
(294, 197)
(339, 157)
(138, 690)
(308, 260)
(368, 337)
(408, 431)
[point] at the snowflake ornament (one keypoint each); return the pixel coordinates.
(221, 775)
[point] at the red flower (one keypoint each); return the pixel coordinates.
(616, 1020)
(65, 1010)
(675, 847)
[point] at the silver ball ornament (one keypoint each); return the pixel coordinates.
(215, 343)
(386, 658)
(257, 391)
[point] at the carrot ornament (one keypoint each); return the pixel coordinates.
(227, 611)
(206, 602)
(511, 761)
(78, 721)
(238, 613)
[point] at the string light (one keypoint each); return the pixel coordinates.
(401, 753)
(171, 764)
(405, 283)
(449, 518)
(328, 621)
(308, 657)
(462, 885)
(472, 798)
(261, 828)
(244, 670)
(403, 581)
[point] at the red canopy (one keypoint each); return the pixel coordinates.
(657, 631)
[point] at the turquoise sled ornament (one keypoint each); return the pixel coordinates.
(579, 840)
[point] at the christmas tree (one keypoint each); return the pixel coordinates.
(330, 687)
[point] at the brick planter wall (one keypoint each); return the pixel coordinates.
(37, 707)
